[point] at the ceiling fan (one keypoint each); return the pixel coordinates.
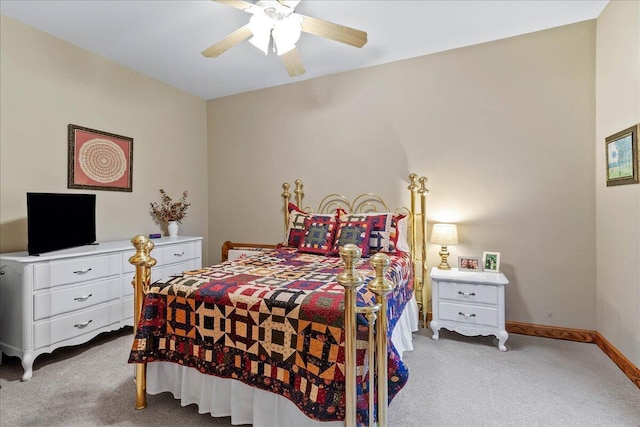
(277, 21)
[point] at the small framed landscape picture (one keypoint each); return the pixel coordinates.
(622, 157)
(469, 263)
(491, 261)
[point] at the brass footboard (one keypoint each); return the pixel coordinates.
(350, 279)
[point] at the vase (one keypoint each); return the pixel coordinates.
(172, 227)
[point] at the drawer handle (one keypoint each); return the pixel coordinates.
(84, 298)
(82, 271)
(180, 254)
(82, 325)
(466, 315)
(467, 294)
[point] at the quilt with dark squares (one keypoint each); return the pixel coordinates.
(273, 321)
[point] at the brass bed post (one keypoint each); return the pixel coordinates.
(285, 196)
(350, 279)
(299, 193)
(413, 188)
(382, 288)
(423, 265)
(143, 262)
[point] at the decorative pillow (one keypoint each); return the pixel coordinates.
(356, 232)
(384, 229)
(318, 236)
(295, 227)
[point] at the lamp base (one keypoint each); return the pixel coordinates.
(444, 266)
(444, 254)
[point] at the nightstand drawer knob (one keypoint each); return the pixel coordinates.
(467, 294)
(180, 254)
(82, 271)
(466, 315)
(83, 298)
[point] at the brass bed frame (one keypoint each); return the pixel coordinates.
(349, 278)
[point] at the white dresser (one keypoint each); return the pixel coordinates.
(468, 302)
(67, 297)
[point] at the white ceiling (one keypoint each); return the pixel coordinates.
(163, 39)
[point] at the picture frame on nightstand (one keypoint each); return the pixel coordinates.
(469, 263)
(491, 261)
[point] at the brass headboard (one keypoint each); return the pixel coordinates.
(371, 203)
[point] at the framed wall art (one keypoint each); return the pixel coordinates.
(491, 261)
(99, 160)
(622, 157)
(469, 263)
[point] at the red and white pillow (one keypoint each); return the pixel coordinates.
(296, 224)
(327, 233)
(385, 230)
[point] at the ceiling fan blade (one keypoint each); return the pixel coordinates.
(293, 62)
(228, 42)
(238, 4)
(332, 31)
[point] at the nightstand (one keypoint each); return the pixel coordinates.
(470, 303)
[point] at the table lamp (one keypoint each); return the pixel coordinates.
(444, 235)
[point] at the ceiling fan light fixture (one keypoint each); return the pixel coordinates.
(260, 26)
(286, 33)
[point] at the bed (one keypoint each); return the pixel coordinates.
(287, 334)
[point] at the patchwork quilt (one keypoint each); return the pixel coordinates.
(273, 321)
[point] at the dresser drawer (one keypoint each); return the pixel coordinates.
(64, 327)
(485, 294)
(464, 313)
(127, 310)
(165, 254)
(76, 270)
(176, 253)
(160, 272)
(52, 303)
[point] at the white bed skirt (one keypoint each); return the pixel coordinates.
(222, 397)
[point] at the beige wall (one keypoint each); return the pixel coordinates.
(503, 130)
(46, 84)
(618, 208)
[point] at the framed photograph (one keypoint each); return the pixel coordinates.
(99, 160)
(622, 157)
(469, 263)
(491, 261)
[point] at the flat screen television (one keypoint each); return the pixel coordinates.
(59, 221)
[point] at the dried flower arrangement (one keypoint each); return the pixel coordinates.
(169, 210)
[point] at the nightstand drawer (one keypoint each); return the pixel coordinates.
(468, 292)
(471, 314)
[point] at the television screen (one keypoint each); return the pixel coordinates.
(59, 221)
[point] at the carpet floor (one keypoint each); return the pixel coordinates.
(456, 381)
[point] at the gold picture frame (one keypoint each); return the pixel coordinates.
(622, 157)
(99, 160)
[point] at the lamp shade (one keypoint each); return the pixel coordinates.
(444, 234)
(261, 26)
(286, 33)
